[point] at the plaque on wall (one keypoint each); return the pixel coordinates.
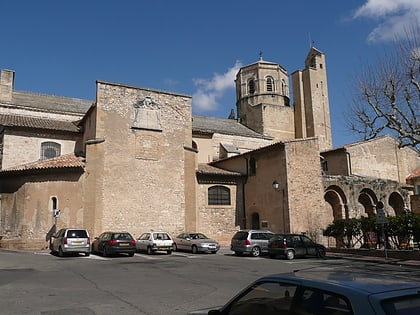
(147, 114)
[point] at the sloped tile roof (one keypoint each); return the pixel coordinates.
(63, 161)
(410, 178)
(38, 123)
(51, 103)
(205, 124)
(206, 169)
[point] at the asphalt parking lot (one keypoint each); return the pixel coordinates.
(36, 282)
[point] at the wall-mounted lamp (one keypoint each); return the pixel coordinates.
(276, 185)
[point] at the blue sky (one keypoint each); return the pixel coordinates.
(193, 47)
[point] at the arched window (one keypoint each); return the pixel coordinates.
(194, 145)
(251, 87)
(255, 221)
(269, 84)
(54, 204)
(218, 195)
(252, 166)
(50, 150)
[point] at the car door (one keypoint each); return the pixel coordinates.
(183, 242)
(309, 246)
(300, 249)
(143, 241)
(101, 242)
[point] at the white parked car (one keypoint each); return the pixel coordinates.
(325, 292)
(152, 242)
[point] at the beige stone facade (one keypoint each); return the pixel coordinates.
(137, 159)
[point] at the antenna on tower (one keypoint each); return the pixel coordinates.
(311, 42)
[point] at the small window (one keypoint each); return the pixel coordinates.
(219, 195)
(251, 86)
(252, 166)
(269, 84)
(50, 150)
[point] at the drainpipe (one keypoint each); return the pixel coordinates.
(349, 163)
(243, 195)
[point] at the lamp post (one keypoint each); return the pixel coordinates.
(276, 187)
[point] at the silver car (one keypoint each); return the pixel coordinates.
(196, 243)
(70, 240)
(326, 292)
(252, 242)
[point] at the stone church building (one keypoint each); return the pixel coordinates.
(137, 159)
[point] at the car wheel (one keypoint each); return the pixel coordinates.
(149, 250)
(255, 252)
(105, 252)
(131, 254)
(194, 249)
(175, 247)
(87, 254)
(60, 252)
(290, 254)
(320, 253)
(169, 252)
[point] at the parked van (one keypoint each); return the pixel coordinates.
(251, 242)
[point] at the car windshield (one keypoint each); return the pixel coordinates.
(198, 236)
(161, 236)
(77, 234)
(240, 236)
(121, 236)
(402, 305)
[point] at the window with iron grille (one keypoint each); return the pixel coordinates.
(251, 85)
(269, 84)
(50, 150)
(218, 195)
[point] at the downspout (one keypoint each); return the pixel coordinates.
(243, 194)
(349, 163)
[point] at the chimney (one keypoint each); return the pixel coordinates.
(7, 78)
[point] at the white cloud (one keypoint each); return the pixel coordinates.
(395, 17)
(209, 91)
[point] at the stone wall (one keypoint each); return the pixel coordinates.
(140, 184)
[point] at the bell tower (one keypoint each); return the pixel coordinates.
(310, 96)
(262, 99)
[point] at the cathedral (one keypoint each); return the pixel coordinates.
(137, 159)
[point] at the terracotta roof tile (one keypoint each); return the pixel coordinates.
(63, 161)
(38, 123)
(410, 178)
(211, 170)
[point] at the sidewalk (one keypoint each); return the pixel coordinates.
(382, 260)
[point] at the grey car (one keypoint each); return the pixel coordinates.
(251, 242)
(196, 243)
(70, 241)
(325, 292)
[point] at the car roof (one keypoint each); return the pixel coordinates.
(256, 231)
(344, 281)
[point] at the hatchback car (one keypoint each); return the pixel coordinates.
(111, 243)
(196, 243)
(70, 241)
(253, 242)
(325, 292)
(294, 245)
(152, 242)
